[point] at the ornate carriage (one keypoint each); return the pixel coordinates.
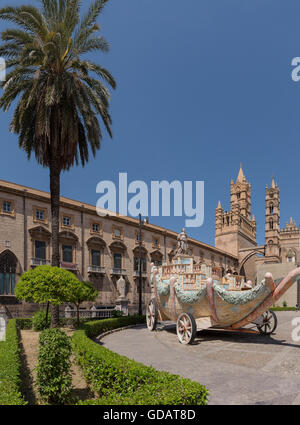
(197, 297)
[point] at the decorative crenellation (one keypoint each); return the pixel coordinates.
(191, 277)
(290, 227)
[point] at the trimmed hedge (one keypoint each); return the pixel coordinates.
(95, 328)
(284, 309)
(54, 378)
(27, 323)
(24, 323)
(10, 367)
(119, 380)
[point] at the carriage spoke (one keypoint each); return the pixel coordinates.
(185, 328)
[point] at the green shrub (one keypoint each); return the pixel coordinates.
(39, 321)
(117, 313)
(54, 378)
(284, 309)
(95, 328)
(284, 304)
(24, 323)
(10, 367)
(119, 380)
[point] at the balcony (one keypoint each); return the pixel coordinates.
(136, 273)
(96, 269)
(69, 266)
(39, 262)
(118, 272)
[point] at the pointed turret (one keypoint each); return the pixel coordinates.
(273, 185)
(219, 205)
(241, 176)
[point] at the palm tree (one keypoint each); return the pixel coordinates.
(59, 94)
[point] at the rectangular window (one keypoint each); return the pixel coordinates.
(95, 228)
(40, 250)
(6, 207)
(95, 254)
(136, 264)
(67, 253)
(117, 233)
(117, 261)
(67, 221)
(40, 215)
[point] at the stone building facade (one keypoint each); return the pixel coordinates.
(236, 229)
(282, 245)
(99, 249)
(236, 233)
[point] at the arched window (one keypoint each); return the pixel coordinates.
(271, 208)
(271, 224)
(8, 265)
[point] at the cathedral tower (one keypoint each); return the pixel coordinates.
(235, 229)
(272, 226)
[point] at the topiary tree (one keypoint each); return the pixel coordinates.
(78, 292)
(46, 284)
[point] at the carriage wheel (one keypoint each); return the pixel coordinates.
(186, 328)
(269, 323)
(151, 315)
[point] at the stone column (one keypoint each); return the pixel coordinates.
(3, 323)
(122, 305)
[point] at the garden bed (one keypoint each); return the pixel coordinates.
(120, 381)
(10, 367)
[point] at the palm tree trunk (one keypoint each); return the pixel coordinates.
(55, 195)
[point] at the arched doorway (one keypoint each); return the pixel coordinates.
(8, 269)
(257, 251)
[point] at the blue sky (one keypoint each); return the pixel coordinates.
(202, 86)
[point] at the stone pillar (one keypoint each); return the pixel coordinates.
(3, 323)
(94, 310)
(122, 305)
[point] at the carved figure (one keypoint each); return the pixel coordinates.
(182, 244)
(121, 287)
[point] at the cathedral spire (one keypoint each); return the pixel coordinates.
(219, 204)
(273, 185)
(241, 176)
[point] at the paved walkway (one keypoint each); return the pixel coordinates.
(237, 368)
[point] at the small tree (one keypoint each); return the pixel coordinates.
(78, 292)
(46, 284)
